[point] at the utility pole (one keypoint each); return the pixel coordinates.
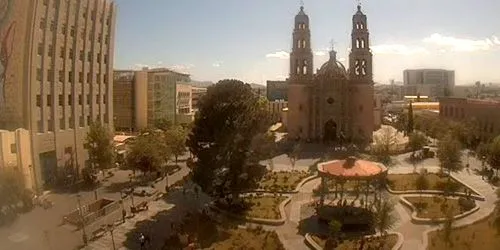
(110, 229)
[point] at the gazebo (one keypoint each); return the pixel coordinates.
(349, 169)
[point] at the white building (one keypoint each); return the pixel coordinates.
(430, 82)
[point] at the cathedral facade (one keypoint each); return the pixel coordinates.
(335, 104)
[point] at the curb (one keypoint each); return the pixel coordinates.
(418, 220)
(313, 245)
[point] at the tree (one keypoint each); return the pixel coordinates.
(416, 141)
(147, 152)
(384, 143)
(450, 155)
(409, 125)
(448, 227)
(421, 183)
(294, 154)
(401, 122)
(99, 143)
(13, 192)
(493, 156)
(384, 217)
(176, 139)
(230, 116)
(162, 124)
(496, 221)
(334, 226)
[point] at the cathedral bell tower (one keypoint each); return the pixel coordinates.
(300, 80)
(361, 81)
(360, 59)
(301, 58)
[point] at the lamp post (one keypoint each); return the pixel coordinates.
(110, 229)
(84, 236)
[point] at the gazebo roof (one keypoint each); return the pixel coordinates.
(351, 168)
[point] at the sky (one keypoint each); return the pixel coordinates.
(250, 39)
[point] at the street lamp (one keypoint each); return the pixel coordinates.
(111, 227)
(84, 236)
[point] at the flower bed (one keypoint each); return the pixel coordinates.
(376, 242)
(435, 207)
(407, 182)
(284, 181)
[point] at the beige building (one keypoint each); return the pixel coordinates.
(145, 96)
(276, 109)
(56, 76)
(335, 104)
(485, 112)
(430, 82)
(276, 90)
(196, 94)
(15, 152)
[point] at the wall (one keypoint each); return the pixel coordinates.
(15, 151)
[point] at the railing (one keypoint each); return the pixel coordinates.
(75, 217)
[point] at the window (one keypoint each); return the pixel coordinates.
(42, 23)
(99, 57)
(61, 100)
(88, 99)
(50, 75)
(52, 25)
(71, 122)
(82, 55)
(40, 49)
(39, 124)
(62, 52)
(45, 2)
(80, 76)
(61, 76)
(13, 148)
(330, 100)
(39, 74)
(106, 58)
(80, 99)
(61, 124)
(71, 54)
(38, 101)
(72, 31)
(50, 124)
(104, 98)
(89, 56)
(88, 120)
(89, 78)
(97, 99)
(64, 29)
(49, 100)
(51, 50)
(70, 76)
(70, 99)
(81, 121)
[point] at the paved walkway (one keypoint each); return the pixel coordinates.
(413, 233)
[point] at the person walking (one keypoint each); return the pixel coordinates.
(124, 214)
(142, 241)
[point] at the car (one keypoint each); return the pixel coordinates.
(145, 191)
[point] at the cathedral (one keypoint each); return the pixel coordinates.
(335, 104)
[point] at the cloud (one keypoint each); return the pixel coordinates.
(183, 68)
(397, 49)
(320, 53)
(279, 54)
(462, 44)
(217, 64)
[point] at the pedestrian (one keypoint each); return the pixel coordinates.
(124, 214)
(142, 240)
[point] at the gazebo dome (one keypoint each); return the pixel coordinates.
(351, 168)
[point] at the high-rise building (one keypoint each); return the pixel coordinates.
(429, 82)
(196, 94)
(143, 97)
(55, 76)
(276, 90)
(334, 104)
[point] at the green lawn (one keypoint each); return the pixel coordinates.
(284, 181)
(405, 182)
(354, 244)
(479, 235)
(249, 239)
(432, 207)
(265, 207)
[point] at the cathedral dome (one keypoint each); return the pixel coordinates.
(332, 68)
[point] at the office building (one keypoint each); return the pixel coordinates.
(196, 94)
(276, 90)
(434, 83)
(484, 112)
(142, 97)
(56, 77)
(15, 152)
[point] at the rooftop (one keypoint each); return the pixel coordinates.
(351, 168)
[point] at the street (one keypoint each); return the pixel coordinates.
(43, 229)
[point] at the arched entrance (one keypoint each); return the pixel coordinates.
(330, 131)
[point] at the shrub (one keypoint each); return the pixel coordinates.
(466, 204)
